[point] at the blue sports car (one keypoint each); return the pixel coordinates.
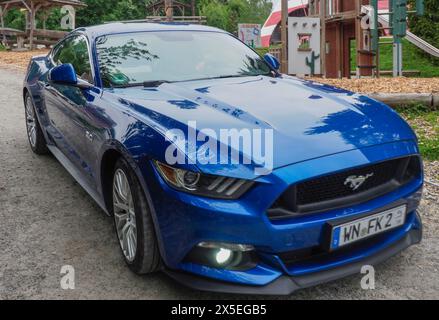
(218, 170)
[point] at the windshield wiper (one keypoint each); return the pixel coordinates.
(146, 84)
(155, 83)
(230, 76)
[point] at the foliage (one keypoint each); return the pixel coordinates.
(15, 19)
(426, 26)
(100, 11)
(217, 13)
(425, 122)
(262, 51)
(226, 14)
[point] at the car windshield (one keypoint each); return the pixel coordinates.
(151, 58)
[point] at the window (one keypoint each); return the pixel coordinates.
(74, 50)
(134, 58)
(304, 41)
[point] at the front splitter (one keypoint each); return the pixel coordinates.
(286, 285)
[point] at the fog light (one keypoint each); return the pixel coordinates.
(223, 256)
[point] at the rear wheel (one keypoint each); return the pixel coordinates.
(133, 221)
(34, 132)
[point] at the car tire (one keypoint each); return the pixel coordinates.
(34, 132)
(130, 205)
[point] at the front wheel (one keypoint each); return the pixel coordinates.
(133, 221)
(34, 132)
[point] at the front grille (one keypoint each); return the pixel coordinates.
(343, 189)
(333, 186)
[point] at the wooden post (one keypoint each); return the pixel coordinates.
(358, 35)
(377, 63)
(193, 7)
(20, 42)
(323, 37)
(284, 36)
(339, 48)
(2, 21)
(45, 16)
(169, 10)
(311, 8)
(32, 25)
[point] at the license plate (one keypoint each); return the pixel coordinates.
(360, 229)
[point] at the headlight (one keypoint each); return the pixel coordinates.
(201, 184)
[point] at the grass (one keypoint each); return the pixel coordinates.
(426, 124)
(263, 51)
(413, 59)
(2, 48)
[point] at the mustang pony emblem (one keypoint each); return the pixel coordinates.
(357, 181)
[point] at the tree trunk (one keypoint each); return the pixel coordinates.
(284, 36)
(169, 10)
(2, 21)
(32, 25)
(193, 7)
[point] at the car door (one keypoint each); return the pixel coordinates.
(72, 110)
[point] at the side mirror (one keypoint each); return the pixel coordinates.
(272, 61)
(65, 74)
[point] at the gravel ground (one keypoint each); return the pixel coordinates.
(48, 221)
(385, 85)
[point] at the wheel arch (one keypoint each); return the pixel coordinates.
(108, 162)
(112, 151)
(25, 91)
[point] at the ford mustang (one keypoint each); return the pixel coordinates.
(219, 170)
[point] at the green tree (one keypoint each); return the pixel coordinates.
(224, 14)
(426, 26)
(100, 11)
(15, 19)
(227, 14)
(216, 12)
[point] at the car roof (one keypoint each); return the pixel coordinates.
(126, 27)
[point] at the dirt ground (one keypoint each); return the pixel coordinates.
(19, 60)
(48, 221)
(385, 85)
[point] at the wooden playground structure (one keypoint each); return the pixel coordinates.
(172, 10)
(32, 35)
(349, 26)
(161, 11)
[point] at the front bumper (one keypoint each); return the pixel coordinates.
(183, 221)
(286, 285)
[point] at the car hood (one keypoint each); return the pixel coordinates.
(308, 120)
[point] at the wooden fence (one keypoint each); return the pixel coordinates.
(17, 38)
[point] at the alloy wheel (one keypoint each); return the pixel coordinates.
(31, 124)
(124, 215)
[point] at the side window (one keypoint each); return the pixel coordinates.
(74, 50)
